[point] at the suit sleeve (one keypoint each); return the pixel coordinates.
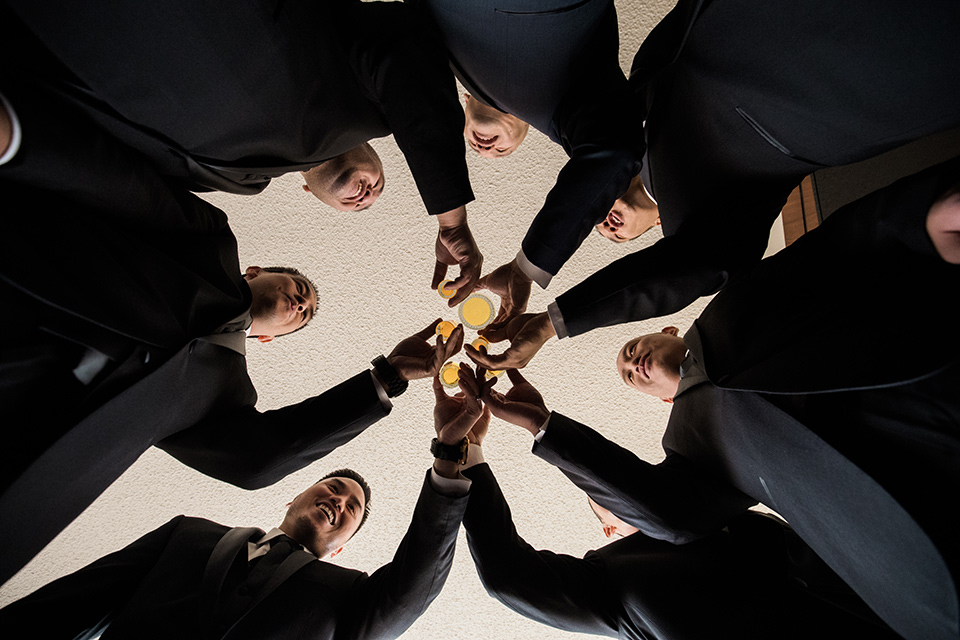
(554, 589)
(603, 136)
(80, 605)
(386, 603)
(670, 501)
(405, 68)
(254, 449)
(701, 258)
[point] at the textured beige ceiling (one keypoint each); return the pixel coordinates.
(373, 271)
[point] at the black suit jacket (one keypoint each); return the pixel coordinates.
(554, 64)
(187, 580)
(805, 403)
(228, 96)
(123, 265)
(741, 583)
(742, 102)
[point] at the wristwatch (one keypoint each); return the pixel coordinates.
(452, 452)
(389, 376)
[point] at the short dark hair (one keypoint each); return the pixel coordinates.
(356, 477)
(295, 272)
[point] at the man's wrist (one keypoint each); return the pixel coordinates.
(391, 379)
(547, 329)
(556, 321)
(446, 468)
(453, 218)
(537, 425)
(531, 271)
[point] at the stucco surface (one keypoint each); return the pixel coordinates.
(373, 272)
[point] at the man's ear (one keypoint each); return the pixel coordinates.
(609, 530)
(251, 273)
(264, 339)
(307, 189)
(667, 400)
(673, 331)
(466, 97)
(336, 552)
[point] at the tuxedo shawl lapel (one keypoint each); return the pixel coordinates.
(293, 563)
(222, 558)
(218, 566)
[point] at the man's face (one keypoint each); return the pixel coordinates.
(631, 215)
(491, 133)
(625, 222)
(281, 302)
(612, 525)
(350, 182)
(651, 363)
(325, 516)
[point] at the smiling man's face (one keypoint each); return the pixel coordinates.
(325, 516)
(631, 215)
(651, 363)
(351, 181)
(489, 132)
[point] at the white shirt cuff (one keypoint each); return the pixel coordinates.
(450, 487)
(556, 319)
(543, 429)
(532, 271)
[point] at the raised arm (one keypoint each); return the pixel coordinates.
(554, 589)
(252, 449)
(602, 133)
(398, 593)
(696, 261)
(670, 501)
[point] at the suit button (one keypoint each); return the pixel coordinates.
(146, 357)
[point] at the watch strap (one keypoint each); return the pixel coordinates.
(389, 376)
(452, 452)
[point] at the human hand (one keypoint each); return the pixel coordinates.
(454, 416)
(479, 430)
(522, 405)
(416, 358)
(527, 333)
(455, 245)
(513, 287)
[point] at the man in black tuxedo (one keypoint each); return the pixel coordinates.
(740, 102)
(131, 314)
(193, 578)
(553, 65)
(815, 398)
(229, 96)
(752, 580)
